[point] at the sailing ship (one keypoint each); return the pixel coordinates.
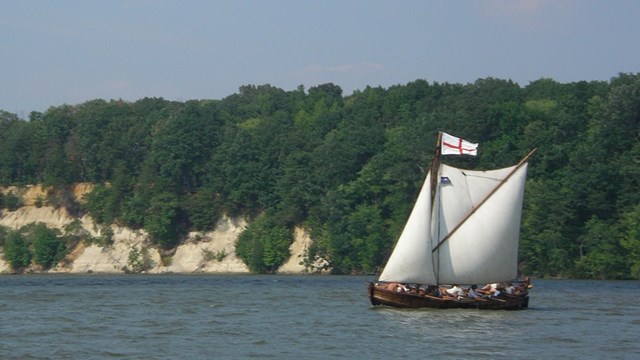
(463, 231)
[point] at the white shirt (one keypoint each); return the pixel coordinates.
(455, 291)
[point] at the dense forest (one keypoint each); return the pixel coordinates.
(348, 168)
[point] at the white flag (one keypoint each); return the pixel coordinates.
(452, 145)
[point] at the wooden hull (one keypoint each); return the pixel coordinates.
(381, 296)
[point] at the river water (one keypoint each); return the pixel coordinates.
(300, 317)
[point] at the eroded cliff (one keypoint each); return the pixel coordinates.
(203, 252)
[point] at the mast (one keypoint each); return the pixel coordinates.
(435, 169)
(522, 162)
(435, 166)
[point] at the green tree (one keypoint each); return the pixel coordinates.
(48, 248)
(97, 204)
(11, 201)
(4, 231)
(183, 144)
(544, 249)
(264, 245)
(162, 220)
(53, 131)
(203, 209)
(630, 240)
(16, 251)
(602, 256)
(138, 261)
(11, 146)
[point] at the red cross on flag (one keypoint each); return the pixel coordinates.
(452, 145)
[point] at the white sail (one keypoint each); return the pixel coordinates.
(484, 248)
(470, 249)
(411, 261)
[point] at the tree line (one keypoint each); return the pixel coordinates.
(348, 168)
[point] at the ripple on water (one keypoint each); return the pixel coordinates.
(306, 317)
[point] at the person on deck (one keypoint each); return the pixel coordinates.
(489, 289)
(455, 291)
(524, 286)
(433, 290)
(493, 290)
(510, 289)
(473, 293)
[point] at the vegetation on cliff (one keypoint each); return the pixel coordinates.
(348, 168)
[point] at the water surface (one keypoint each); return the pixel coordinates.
(299, 317)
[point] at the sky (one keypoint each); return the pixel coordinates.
(71, 51)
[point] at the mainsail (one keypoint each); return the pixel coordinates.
(412, 260)
(469, 232)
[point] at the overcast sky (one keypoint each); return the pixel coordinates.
(67, 51)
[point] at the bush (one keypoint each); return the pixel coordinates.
(62, 197)
(48, 248)
(209, 255)
(74, 232)
(16, 251)
(166, 260)
(106, 236)
(4, 231)
(264, 245)
(220, 255)
(12, 202)
(138, 261)
(40, 201)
